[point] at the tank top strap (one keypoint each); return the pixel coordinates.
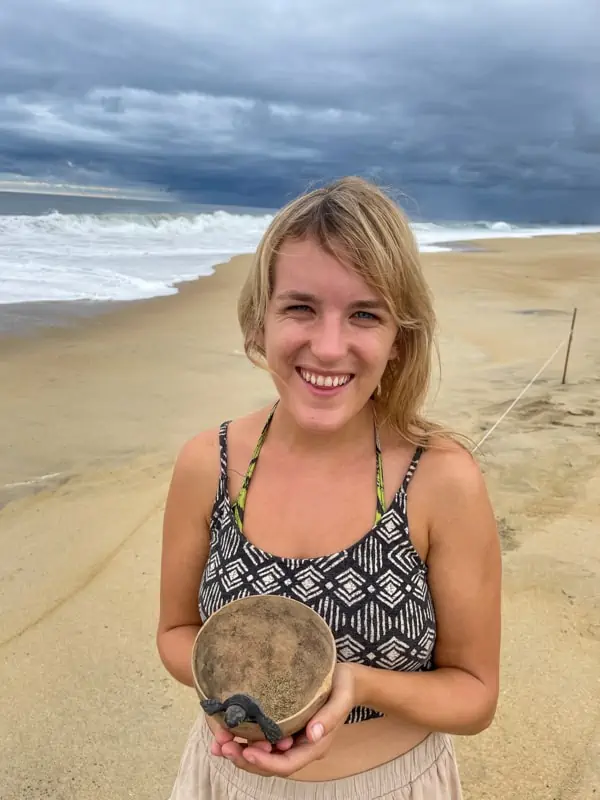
(412, 467)
(240, 502)
(379, 485)
(223, 477)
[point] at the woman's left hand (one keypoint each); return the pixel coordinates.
(312, 745)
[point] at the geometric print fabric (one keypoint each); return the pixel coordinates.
(373, 595)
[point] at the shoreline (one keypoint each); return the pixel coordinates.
(48, 314)
(99, 408)
(26, 318)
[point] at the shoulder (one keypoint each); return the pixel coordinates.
(199, 456)
(202, 451)
(454, 485)
(242, 435)
(198, 461)
(195, 475)
(451, 468)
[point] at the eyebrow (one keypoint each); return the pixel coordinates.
(305, 297)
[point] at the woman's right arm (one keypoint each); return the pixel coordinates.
(185, 546)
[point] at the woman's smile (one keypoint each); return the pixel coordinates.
(324, 383)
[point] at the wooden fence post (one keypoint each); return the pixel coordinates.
(564, 376)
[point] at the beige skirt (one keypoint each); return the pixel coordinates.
(427, 772)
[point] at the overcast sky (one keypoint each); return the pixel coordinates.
(472, 109)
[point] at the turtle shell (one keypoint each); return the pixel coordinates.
(276, 650)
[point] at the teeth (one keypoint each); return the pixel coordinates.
(324, 380)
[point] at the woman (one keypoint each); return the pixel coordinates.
(342, 495)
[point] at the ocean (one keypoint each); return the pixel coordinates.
(73, 248)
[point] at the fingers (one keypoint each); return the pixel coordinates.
(222, 736)
(266, 746)
(337, 707)
(285, 744)
(284, 764)
(224, 745)
(233, 751)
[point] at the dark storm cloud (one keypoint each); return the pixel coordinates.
(461, 108)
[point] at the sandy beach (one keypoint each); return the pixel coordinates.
(91, 417)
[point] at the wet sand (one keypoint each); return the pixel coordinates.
(91, 417)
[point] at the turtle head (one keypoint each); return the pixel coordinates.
(235, 715)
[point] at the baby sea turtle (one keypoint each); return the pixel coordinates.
(241, 708)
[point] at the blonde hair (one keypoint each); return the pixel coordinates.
(356, 222)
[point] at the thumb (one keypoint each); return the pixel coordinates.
(336, 708)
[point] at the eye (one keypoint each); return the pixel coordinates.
(366, 316)
(298, 308)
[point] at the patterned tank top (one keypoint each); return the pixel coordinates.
(373, 595)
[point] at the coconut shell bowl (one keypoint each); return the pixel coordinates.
(263, 666)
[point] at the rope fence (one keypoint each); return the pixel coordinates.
(567, 340)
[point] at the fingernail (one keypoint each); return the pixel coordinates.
(317, 732)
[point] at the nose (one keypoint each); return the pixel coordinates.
(328, 340)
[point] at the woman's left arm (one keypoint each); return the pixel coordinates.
(464, 574)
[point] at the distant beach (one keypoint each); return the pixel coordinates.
(91, 417)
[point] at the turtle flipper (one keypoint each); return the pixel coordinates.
(211, 706)
(271, 730)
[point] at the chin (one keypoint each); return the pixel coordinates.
(324, 415)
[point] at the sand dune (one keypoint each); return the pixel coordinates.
(91, 416)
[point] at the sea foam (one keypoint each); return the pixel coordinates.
(133, 256)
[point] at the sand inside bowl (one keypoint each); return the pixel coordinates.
(280, 698)
(274, 652)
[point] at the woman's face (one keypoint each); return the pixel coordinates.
(327, 336)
